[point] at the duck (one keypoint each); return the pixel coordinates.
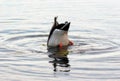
(58, 36)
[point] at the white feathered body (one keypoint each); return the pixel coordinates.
(58, 36)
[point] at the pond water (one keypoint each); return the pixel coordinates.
(95, 31)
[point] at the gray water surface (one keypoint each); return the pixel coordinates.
(95, 31)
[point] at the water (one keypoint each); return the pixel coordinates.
(24, 29)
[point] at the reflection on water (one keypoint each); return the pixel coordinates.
(60, 60)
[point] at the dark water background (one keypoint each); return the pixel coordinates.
(95, 31)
